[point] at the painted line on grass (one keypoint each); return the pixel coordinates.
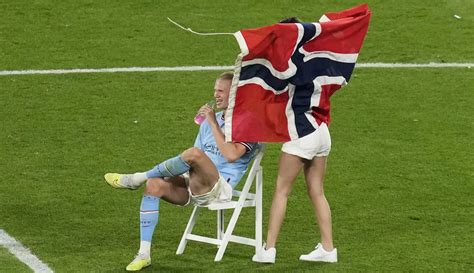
(414, 65)
(22, 253)
(208, 68)
(114, 70)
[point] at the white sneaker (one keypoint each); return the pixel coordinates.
(266, 256)
(320, 255)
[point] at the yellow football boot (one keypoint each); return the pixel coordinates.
(119, 181)
(139, 263)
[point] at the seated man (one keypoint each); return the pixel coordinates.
(200, 175)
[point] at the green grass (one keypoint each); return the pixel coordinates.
(400, 174)
(51, 34)
(9, 263)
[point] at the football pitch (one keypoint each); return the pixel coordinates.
(400, 177)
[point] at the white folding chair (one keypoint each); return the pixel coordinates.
(245, 199)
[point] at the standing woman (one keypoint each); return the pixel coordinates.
(310, 154)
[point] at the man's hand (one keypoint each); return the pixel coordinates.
(208, 111)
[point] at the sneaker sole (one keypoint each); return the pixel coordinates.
(263, 261)
(134, 270)
(317, 260)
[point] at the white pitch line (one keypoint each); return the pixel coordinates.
(114, 70)
(207, 68)
(414, 65)
(23, 254)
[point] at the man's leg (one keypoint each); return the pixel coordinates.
(172, 190)
(169, 168)
(193, 160)
(203, 174)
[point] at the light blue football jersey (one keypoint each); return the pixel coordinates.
(232, 172)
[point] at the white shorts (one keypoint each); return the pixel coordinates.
(221, 192)
(316, 144)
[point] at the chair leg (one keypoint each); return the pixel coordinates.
(227, 234)
(235, 216)
(258, 210)
(220, 224)
(188, 230)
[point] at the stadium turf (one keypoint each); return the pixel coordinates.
(400, 174)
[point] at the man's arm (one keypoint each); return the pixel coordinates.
(230, 151)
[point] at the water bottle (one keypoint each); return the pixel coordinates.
(199, 119)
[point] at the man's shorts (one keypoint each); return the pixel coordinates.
(221, 192)
(316, 144)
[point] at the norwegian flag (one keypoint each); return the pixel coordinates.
(286, 73)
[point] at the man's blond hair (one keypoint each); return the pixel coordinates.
(228, 75)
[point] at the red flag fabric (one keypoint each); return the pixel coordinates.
(286, 74)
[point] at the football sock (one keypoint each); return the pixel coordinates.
(138, 179)
(145, 247)
(169, 168)
(148, 219)
(135, 180)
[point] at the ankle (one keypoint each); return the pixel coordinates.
(144, 250)
(327, 247)
(267, 246)
(139, 178)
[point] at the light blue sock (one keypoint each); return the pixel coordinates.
(148, 216)
(169, 168)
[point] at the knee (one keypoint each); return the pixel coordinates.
(283, 191)
(154, 187)
(282, 195)
(315, 192)
(192, 155)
